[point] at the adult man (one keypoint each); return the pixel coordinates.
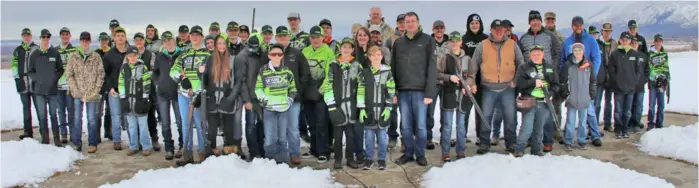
(328, 35)
(44, 68)
(148, 58)
(104, 118)
(112, 64)
(167, 93)
(415, 73)
(65, 101)
(438, 30)
(104, 46)
(153, 42)
(508, 30)
(375, 34)
(20, 61)
(592, 52)
(551, 25)
(496, 60)
(376, 18)
(398, 32)
(471, 39)
(639, 91)
(633, 31)
(215, 30)
(234, 42)
(267, 34)
(183, 38)
(623, 79)
(253, 58)
(319, 57)
(607, 45)
(295, 60)
(299, 39)
(112, 27)
(85, 75)
(244, 34)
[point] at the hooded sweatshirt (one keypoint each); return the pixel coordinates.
(188, 63)
(164, 61)
(45, 67)
(452, 65)
(441, 48)
(622, 77)
(319, 63)
(386, 30)
(275, 87)
(578, 81)
(658, 64)
(591, 49)
(472, 39)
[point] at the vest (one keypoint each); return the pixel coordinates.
(498, 67)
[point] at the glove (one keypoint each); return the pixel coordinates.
(362, 115)
(186, 84)
(386, 114)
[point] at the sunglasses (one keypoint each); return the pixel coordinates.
(276, 54)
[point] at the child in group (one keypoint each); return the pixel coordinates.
(134, 90)
(340, 94)
(450, 69)
(659, 86)
(579, 84)
(375, 100)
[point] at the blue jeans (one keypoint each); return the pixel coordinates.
(65, 112)
(379, 134)
(115, 114)
(40, 103)
(447, 120)
(592, 121)
(496, 122)
(430, 114)
(506, 101)
(164, 105)
(138, 130)
(607, 105)
(93, 137)
(637, 109)
(413, 115)
(570, 126)
(276, 135)
(533, 126)
(622, 112)
(254, 133)
(294, 133)
(655, 96)
(184, 102)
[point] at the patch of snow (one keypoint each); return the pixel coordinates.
(230, 171)
(29, 162)
(654, 12)
(505, 171)
(677, 142)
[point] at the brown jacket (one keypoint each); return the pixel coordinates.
(461, 60)
(497, 63)
(85, 75)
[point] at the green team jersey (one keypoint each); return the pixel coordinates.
(65, 52)
(539, 92)
(188, 63)
(319, 60)
(275, 87)
(659, 63)
(144, 75)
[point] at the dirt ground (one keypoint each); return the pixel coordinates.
(112, 166)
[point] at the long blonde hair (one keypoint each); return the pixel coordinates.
(221, 60)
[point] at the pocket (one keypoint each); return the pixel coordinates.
(142, 106)
(337, 117)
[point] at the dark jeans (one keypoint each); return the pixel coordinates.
(318, 126)
(413, 115)
(622, 112)
(601, 92)
(107, 116)
(549, 126)
(164, 105)
(40, 103)
(656, 97)
(506, 101)
(153, 122)
(232, 129)
(393, 128)
(303, 125)
(349, 132)
(637, 109)
(254, 133)
(479, 99)
(430, 114)
(26, 99)
(65, 112)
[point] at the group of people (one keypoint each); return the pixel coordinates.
(310, 86)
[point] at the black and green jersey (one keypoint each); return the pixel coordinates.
(187, 64)
(64, 52)
(134, 87)
(376, 91)
(340, 88)
(184, 45)
(299, 41)
(275, 87)
(659, 63)
(19, 65)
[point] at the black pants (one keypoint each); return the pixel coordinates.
(318, 126)
(303, 126)
(349, 139)
(153, 123)
(103, 112)
(254, 132)
(232, 128)
(393, 128)
(26, 99)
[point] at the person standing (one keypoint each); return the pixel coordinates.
(244, 34)
(607, 45)
(508, 30)
(153, 42)
(376, 19)
(44, 68)
(104, 44)
(550, 18)
(593, 32)
(134, 88)
(253, 58)
(299, 39)
(328, 36)
(416, 76)
(210, 43)
(635, 125)
(659, 84)
(85, 76)
(19, 66)
(397, 33)
(182, 40)
(104, 117)
(167, 94)
(633, 31)
(451, 68)
(112, 61)
(440, 38)
(65, 101)
(234, 42)
(623, 79)
(578, 86)
(470, 40)
(148, 59)
(215, 30)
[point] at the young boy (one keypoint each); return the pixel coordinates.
(450, 70)
(640, 87)
(134, 90)
(340, 92)
(659, 86)
(579, 85)
(375, 100)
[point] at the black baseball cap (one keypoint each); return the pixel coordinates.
(64, 29)
(45, 32)
(325, 21)
(196, 29)
(276, 45)
(537, 47)
(85, 36)
(244, 28)
(400, 17)
(632, 23)
(114, 23)
(267, 28)
(104, 36)
(625, 34)
(316, 31)
(183, 29)
(282, 30)
(26, 31)
(578, 20)
(592, 29)
(438, 23)
(214, 25)
(132, 50)
(496, 23)
(507, 23)
(658, 37)
(232, 25)
(167, 35)
(139, 35)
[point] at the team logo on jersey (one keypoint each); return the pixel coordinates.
(632, 58)
(532, 74)
(52, 59)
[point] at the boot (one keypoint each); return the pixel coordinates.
(187, 158)
(117, 146)
(45, 138)
(202, 156)
(216, 151)
(64, 139)
(56, 137)
(178, 154)
(230, 149)
(156, 145)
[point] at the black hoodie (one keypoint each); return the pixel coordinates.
(471, 39)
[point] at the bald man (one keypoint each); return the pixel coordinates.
(376, 20)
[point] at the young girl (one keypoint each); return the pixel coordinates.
(450, 70)
(375, 101)
(579, 81)
(340, 92)
(134, 89)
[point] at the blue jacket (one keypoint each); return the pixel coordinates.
(591, 49)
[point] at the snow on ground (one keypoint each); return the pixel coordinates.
(677, 142)
(505, 171)
(29, 162)
(230, 171)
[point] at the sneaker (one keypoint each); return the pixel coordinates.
(619, 136)
(352, 164)
(117, 146)
(422, 161)
(597, 142)
(392, 142)
(178, 154)
(322, 159)
(569, 147)
(367, 164)
(156, 146)
(77, 148)
(483, 148)
(430, 145)
(91, 149)
(25, 136)
(460, 155)
(518, 154)
(295, 160)
(581, 147)
(494, 141)
(382, 164)
(626, 135)
(561, 142)
(306, 155)
(510, 149)
(404, 159)
(636, 130)
(169, 155)
(338, 164)
(548, 147)
(64, 139)
(446, 158)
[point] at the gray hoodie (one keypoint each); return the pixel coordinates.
(579, 82)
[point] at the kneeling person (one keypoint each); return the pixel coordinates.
(134, 91)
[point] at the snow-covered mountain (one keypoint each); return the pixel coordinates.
(667, 17)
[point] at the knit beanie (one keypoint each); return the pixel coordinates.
(534, 14)
(579, 45)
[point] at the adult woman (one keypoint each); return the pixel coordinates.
(364, 41)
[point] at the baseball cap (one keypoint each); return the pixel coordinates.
(658, 37)
(548, 15)
(276, 45)
(282, 30)
(183, 29)
(632, 23)
(325, 21)
(267, 28)
(45, 32)
(139, 35)
(119, 29)
(347, 40)
(496, 23)
(214, 25)
(114, 23)
(131, 50)
(454, 35)
(400, 17)
(233, 25)
(537, 47)
(316, 31)
(606, 27)
(244, 28)
(167, 35)
(212, 37)
(196, 29)
(374, 28)
(293, 15)
(507, 23)
(625, 35)
(64, 29)
(26, 31)
(592, 29)
(578, 20)
(85, 36)
(104, 36)
(438, 23)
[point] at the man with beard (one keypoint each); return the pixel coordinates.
(551, 25)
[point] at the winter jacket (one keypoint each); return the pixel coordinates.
(275, 87)
(441, 48)
(319, 63)
(386, 30)
(294, 60)
(134, 87)
(452, 65)
(299, 41)
(235, 48)
(545, 39)
(375, 95)
(102, 52)
(229, 95)
(642, 44)
(167, 88)
(340, 91)
(45, 68)
(497, 62)
(658, 63)
(606, 49)
(188, 63)
(592, 50)
(644, 66)
(154, 45)
(183, 45)
(529, 72)
(558, 34)
(513, 36)
(253, 62)
(471, 39)
(363, 59)
(623, 70)
(112, 63)
(85, 75)
(388, 43)
(414, 64)
(65, 53)
(578, 84)
(334, 46)
(19, 66)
